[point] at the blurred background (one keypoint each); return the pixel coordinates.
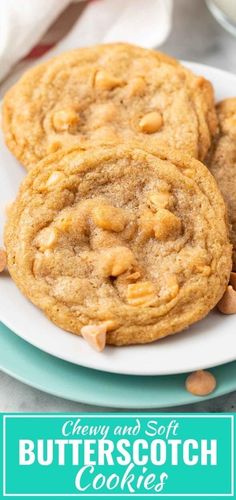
(197, 36)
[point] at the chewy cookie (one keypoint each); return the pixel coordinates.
(106, 94)
(121, 239)
(222, 162)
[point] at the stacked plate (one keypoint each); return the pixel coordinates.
(151, 375)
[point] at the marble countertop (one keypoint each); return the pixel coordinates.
(195, 36)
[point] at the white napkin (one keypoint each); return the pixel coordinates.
(142, 22)
(23, 22)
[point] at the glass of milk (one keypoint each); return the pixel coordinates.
(225, 13)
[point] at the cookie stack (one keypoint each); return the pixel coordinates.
(119, 232)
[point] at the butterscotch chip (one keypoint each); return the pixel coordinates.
(47, 238)
(66, 222)
(115, 260)
(222, 162)
(108, 217)
(105, 81)
(151, 122)
(39, 264)
(82, 251)
(53, 145)
(95, 335)
(63, 119)
(3, 260)
(157, 200)
(172, 288)
(146, 223)
(141, 294)
(166, 224)
(137, 86)
(200, 383)
(108, 93)
(189, 172)
(227, 304)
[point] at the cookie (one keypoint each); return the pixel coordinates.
(108, 94)
(120, 237)
(222, 162)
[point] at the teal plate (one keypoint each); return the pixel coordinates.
(49, 374)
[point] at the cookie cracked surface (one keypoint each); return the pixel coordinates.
(120, 237)
(222, 162)
(106, 94)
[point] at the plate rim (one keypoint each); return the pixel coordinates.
(184, 399)
(112, 369)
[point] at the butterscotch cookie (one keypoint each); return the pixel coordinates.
(121, 239)
(222, 162)
(108, 94)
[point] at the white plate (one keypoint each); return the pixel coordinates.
(208, 343)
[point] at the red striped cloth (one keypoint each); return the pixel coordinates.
(57, 31)
(39, 50)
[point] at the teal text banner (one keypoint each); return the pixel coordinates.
(118, 456)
